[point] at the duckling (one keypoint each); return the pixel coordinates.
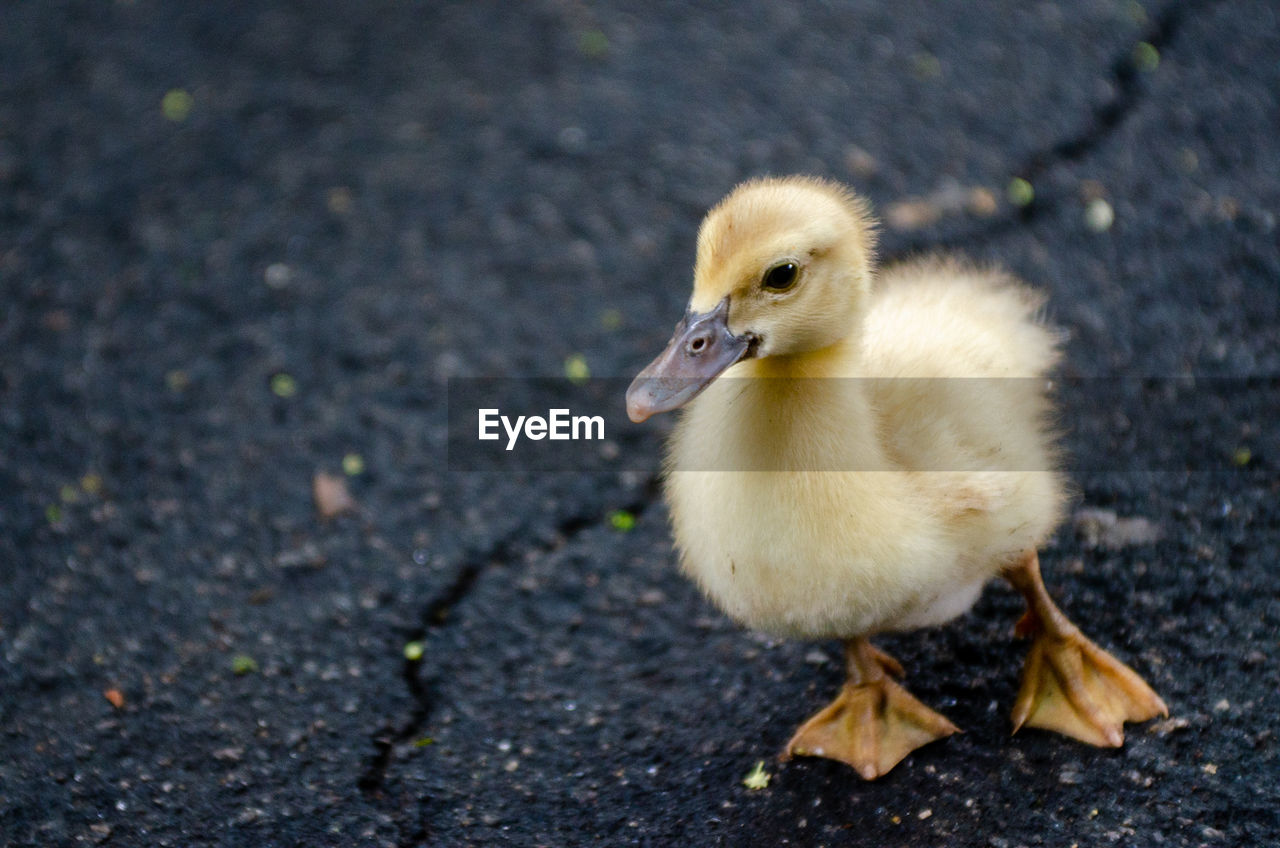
(860, 453)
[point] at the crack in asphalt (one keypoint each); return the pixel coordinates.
(435, 616)
(1104, 119)
(1108, 116)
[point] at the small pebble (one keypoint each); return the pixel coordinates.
(339, 200)
(1169, 725)
(177, 381)
(277, 275)
(982, 202)
(331, 496)
(1098, 215)
(911, 214)
(859, 162)
(1102, 528)
(651, 598)
(572, 139)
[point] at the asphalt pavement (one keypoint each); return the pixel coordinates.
(242, 245)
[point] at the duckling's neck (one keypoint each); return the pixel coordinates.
(812, 412)
(842, 359)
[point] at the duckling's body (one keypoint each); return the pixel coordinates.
(838, 543)
(856, 458)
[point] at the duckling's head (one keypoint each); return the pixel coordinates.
(784, 267)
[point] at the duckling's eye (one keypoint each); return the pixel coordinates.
(780, 277)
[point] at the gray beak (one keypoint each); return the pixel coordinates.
(699, 351)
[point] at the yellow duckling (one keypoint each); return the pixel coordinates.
(839, 481)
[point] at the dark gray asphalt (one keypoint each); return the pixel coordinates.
(372, 197)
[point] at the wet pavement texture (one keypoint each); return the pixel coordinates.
(241, 244)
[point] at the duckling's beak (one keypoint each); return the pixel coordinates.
(699, 351)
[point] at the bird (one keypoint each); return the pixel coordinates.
(860, 451)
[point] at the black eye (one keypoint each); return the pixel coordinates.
(781, 277)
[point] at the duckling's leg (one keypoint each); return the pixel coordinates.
(1069, 684)
(873, 723)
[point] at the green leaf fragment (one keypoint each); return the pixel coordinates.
(1146, 57)
(423, 742)
(352, 464)
(243, 664)
(594, 44)
(576, 369)
(177, 380)
(177, 104)
(621, 520)
(1020, 192)
(283, 385)
(926, 66)
(757, 778)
